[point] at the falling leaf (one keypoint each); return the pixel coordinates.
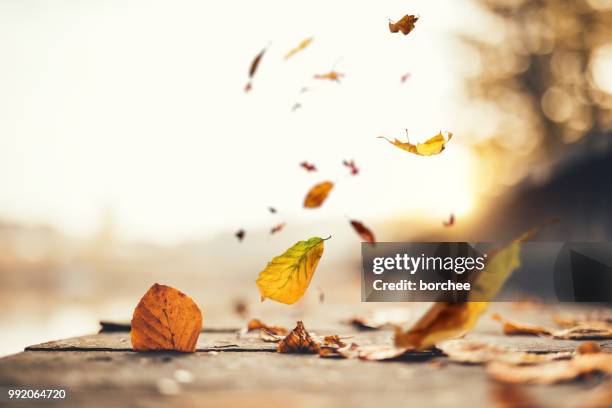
(296, 106)
(287, 276)
(272, 210)
(298, 341)
(321, 294)
(308, 166)
(277, 228)
(474, 352)
(256, 324)
(405, 77)
(331, 76)
(253, 69)
(301, 46)
(405, 24)
(588, 347)
(318, 194)
(363, 231)
(166, 319)
(351, 166)
(450, 222)
(240, 234)
(241, 308)
(552, 372)
(446, 320)
(432, 146)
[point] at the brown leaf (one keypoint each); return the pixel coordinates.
(350, 351)
(318, 194)
(308, 166)
(256, 324)
(364, 232)
(350, 164)
(277, 228)
(405, 24)
(241, 308)
(240, 234)
(552, 372)
(588, 347)
(512, 328)
(333, 340)
(512, 396)
(166, 319)
(253, 69)
(450, 222)
(572, 320)
(405, 77)
(272, 210)
(474, 352)
(298, 342)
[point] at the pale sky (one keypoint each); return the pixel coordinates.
(138, 107)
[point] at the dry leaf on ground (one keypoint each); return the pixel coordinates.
(382, 318)
(584, 331)
(286, 277)
(474, 352)
(430, 147)
(256, 324)
(554, 371)
(405, 24)
(572, 320)
(301, 46)
(298, 341)
(512, 328)
(512, 396)
(166, 319)
(318, 194)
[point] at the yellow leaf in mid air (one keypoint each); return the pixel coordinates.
(430, 147)
(318, 194)
(287, 276)
(302, 45)
(446, 320)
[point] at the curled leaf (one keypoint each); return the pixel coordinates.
(450, 222)
(300, 47)
(256, 324)
(363, 231)
(166, 319)
(430, 147)
(318, 194)
(333, 340)
(298, 341)
(552, 372)
(287, 276)
(512, 328)
(330, 76)
(351, 166)
(405, 24)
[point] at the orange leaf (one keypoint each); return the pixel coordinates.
(318, 194)
(166, 319)
(331, 76)
(256, 324)
(432, 146)
(405, 25)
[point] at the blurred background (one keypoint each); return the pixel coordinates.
(130, 153)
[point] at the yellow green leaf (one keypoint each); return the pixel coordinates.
(301, 46)
(287, 276)
(430, 147)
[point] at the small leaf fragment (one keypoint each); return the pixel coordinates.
(300, 47)
(318, 194)
(308, 166)
(365, 233)
(286, 277)
(330, 76)
(405, 24)
(240, 234)
(166, 319)
(298, 341)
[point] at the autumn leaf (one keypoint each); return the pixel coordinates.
(582, 331)
(405, 77)
(434, 145)
(512, 328)
(300, 47)
(256, 324)
(296, 106)
(351, 166)
(588, 347)
(363, 231)
(166, 319)
(298, 341)
(308, 166)
(381, 318)
(253, 69)
(450, 222)
(318, 194)
(446, 320)
(277, 228)
(287, 276)
(405, 24)
(240, 234)
(330, 76)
